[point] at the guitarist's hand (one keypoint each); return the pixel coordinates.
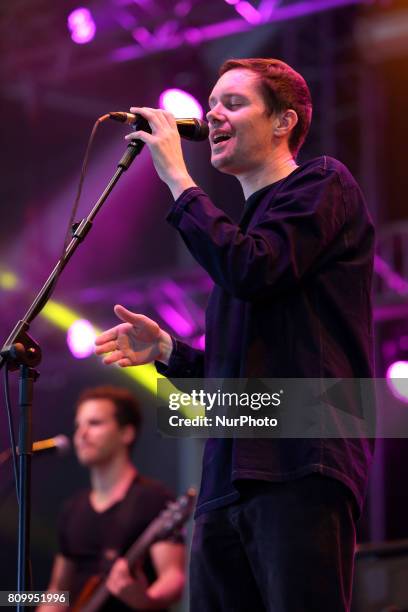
(136, 341)
(129, 589)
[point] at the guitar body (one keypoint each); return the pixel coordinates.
(93, 597)
(86, 594)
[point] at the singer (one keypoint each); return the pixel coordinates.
(96, 526)
(275, 520)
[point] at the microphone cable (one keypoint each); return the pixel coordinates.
(68, 235)
(71, 228)
(11, 429)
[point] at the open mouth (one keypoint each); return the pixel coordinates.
(220, 138)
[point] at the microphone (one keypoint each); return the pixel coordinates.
(191, 129)
(61, 444)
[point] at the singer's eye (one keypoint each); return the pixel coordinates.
(96, 422)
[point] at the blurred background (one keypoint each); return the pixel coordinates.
(62, 65)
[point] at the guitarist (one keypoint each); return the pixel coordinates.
(99, 525)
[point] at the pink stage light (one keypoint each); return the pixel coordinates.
(81, 26)
(397, 380)
(81, 338)
(181, 104)
(182, 8)
(175, 320)
(248, 12)
(199, 342)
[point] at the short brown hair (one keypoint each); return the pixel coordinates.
(282, 88)
(127, 407)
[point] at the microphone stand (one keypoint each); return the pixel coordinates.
(21, 352)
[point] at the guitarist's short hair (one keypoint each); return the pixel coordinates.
(127, 411)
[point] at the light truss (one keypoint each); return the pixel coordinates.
(269, 11)
(129, 30)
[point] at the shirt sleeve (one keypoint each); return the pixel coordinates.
(279, 249)
(185, 362)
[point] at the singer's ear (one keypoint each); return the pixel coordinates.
(129, 434)
(285, 122)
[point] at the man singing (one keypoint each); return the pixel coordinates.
(275, 520)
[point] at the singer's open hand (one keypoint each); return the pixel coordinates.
(165, 148)
(136, 341)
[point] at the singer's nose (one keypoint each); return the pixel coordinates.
(214, 115)
(210, 115)
(80, 432)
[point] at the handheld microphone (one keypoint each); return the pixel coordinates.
(191, 129)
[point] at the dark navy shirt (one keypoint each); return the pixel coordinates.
(292, 298)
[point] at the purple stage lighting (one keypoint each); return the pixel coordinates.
(181, 104)
(182, 8)
(81, 26)
(175, 320)
(247, 11)
(397, 380)
(81, 338)
(199, 342)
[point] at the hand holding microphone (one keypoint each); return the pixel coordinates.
(191, 128)
(165, 147)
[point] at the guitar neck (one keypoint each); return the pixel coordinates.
(139, 548)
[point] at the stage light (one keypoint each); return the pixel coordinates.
(63, 317)
(81, 338)
(181, 103)
(81, 26)
(8, 281)
(175, 320)
(60, 315)
(248, 12)
(394, 350)
(182, 8)
(143, 37)
(397, 380)
(199, 342)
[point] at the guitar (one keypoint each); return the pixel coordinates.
(95, 594)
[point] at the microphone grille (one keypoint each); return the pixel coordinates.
(63, 444)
